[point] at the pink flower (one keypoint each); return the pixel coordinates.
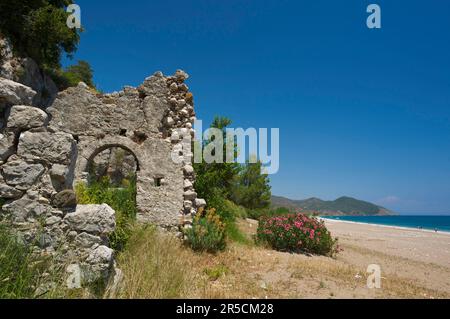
(298, 224)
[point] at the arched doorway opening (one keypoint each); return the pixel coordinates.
(115, 163)
(111, 179)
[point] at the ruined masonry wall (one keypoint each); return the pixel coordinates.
(149, 121)
(44, 154)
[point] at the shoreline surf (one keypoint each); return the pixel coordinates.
(439, 231)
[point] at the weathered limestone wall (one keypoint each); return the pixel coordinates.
(36, 175)
(150, 122)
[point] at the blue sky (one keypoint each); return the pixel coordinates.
(362, 113)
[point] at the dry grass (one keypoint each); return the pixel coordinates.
(154, 265)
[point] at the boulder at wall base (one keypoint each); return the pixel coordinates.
(96, 220)
(114, 286)
(100, 255)
(99, 265)
(86, 240)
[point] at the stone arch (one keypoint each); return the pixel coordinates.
(159, 181)
(90, 148)
(109, 146)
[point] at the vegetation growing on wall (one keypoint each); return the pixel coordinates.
(122, 200)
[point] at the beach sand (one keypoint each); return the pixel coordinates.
(418, 255)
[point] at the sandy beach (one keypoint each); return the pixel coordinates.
(419, 255)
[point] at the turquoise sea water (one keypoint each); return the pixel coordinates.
(440, 223)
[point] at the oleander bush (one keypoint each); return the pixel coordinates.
(297, 233)
(208, 232)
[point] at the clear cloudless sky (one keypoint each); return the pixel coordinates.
(362, 113)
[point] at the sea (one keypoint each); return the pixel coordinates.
(439, 223)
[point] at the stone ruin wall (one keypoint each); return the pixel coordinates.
(44, 154)
(150, 122)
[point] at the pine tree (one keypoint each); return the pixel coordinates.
(252, 189)
(214, 181)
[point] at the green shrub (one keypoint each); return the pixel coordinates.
(257, 214)
(61, 78)
(72, 75)
(235, 210)
(260, 213)
(297, 233)
(122, 200)
(207, 232)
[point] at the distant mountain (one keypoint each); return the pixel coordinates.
(340, 206)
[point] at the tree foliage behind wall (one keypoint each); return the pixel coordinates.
(72, 75)
(37, 28)
(244, 184)
(252, 189)
(214, 181)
